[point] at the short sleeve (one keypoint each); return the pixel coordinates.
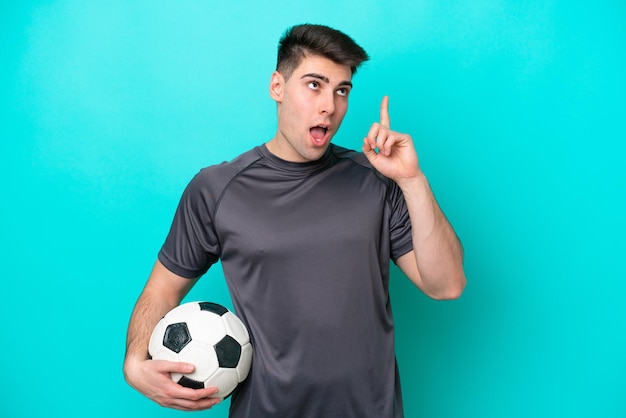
(400, 230)
(191, 246)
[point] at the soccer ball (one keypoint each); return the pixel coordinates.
(210, 337)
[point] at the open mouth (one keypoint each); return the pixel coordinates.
(318, 133)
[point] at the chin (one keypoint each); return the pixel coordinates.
(316, 153)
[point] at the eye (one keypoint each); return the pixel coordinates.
(314, 85)
(343, 91)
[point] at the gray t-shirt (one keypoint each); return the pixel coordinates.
(305, 249)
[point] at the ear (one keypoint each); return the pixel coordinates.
(277, 85)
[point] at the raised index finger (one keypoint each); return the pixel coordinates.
(384, 112)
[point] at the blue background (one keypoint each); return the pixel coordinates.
(518, 111)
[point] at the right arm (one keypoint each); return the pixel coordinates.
(163, 291)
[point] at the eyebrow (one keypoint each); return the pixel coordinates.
(325, 79)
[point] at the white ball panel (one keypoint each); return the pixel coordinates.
(225, 380)
(235, 328)
(182, 312)
(206, 327)
(176, 376)
(201, 356)
(156, 339)
(243, 368)
(165, 354)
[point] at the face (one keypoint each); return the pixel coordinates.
(311, 107)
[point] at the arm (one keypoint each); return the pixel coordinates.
(163, 291)
(436, 263)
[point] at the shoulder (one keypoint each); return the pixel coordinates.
(360, 166)
(226, 170)
(234, 166)
(349, 154)
(212, 180)
(358, 160)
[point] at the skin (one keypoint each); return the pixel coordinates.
(163, 291)
(435, 265)
(315, 95)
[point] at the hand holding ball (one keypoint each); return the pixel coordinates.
(208, 336)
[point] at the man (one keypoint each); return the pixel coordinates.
(305, 231)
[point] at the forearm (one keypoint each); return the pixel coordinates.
(162, 292)
(436, 263)
(437, 250)
(148, 310)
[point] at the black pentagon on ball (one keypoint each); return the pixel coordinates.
(176, 336)
(228, 352)
(190, 383)
(213, 307)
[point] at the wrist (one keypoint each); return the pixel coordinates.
(413, 183)
(134, 360)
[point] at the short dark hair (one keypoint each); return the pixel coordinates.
(302, 40)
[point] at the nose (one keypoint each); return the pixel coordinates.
(327, 104)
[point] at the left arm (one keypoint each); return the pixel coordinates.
(435, 264)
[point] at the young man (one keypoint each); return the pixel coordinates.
(305, 231)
